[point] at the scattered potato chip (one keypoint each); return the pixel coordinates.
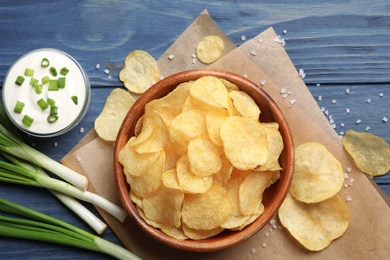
(314, 225)
(245, 142)
(117, 105)
(164, 206)
(210, 49)
(198, 163)
(371, 153)
(244, 104)
(318, 175)
(139, 72)
(207, 211)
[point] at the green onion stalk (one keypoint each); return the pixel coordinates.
(40, 227)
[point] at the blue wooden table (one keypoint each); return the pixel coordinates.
(341, 46)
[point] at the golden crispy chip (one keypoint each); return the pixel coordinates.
(170, 105)
(371, 153)
(210, 49)
(244, 104)
(117, 105)
(203, 156)
(170, 180)
(135, 163)
(314, 225)
(214, 118)
(139, 72)
(147, 183)
(229, 86)
(275, 147)
(252, 217)
(186, 126)
(318, 175)
(211, 91)
(136, 199)
(171, 157)
(207, 211)
(174, 232)
(189, 182)
(223, 176)
(245, 142)
(164, 206)
(199, 234)
(251, 191)
(158, 138)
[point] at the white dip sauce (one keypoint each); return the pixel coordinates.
(69, 113)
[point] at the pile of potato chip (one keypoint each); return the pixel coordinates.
(201, 160)
(313, 212)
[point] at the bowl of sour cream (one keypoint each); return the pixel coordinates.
(46, 92)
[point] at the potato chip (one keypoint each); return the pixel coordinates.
(199, 234)
(244, 104)
(139, 72)
(252, 217)
(211, 91)
(174, 232)
(210, 49)
(147, 183)
(245, 142)
(108, 122)
(223, 176)
(190, 182)
(251, 191)
(314, 225)
(158, 138)
(170, 180)
(186, 126)
(135, 163)
(207, 211)
(164, 206)
(371, 153)
(229, 85)
(214, 118)
(275, 147)
(136, 199)
(203, 156)
(318, 175)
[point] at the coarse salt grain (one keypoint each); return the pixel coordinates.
(285, 95)
(262, 82)
(368, 100)
(193, 55)
(334, 101)
(264, 244)
(342, 124)
(358, 121)
(293, 101)
(381, 94)
(346, 176)
(253, 251)
(243, 38)
(193, 60)
(97, 66)
(81, 130)
(272, 222)
(367, 128)
(347, 110)
(78, 158)
(55, 144)
(318, 84)
(284, 31)
(349, 169)
(245, 75)
(282, 90)
(109, 77)
(267, 234)
(253, 52)
(302, 73)
(106, 71)
(320, 98)
(323, 109)
(348, 198)
(342, 133)
(170, 57)
(347, 91)
(385, 119)
(260, 40)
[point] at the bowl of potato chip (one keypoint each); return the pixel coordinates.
(203, 160)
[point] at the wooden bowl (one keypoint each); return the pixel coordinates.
(273, 197)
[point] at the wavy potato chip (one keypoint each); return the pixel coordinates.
(318, 175)
(244, 104)
(275, 147)
(210, 49)
(214, 118)
(198, 234)
(371, 153)
(139, 72)
(107, 124)
(314, 225)
(245, 142)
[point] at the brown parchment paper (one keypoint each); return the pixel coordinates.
(273, 70)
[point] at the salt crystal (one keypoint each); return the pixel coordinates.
(319, 98)
(318, 84)
(253, 52)
(193, 55)
(260, 40)
(109, 77)
(301, 73)
(367, 128)
(106, 71)
(349, 169)
(245, 75)
(97, 66)
(292, 101)
(253, 251)
(243, 38)
(331, 121)
(334, 101)
(282, 90)
(347, 110)
(368, 101)
(385, 119)
(347, 91)
(280, 227)
(55, 144)
(346, 175)
(381, 94)
(322, 109)
(285, 95)
(262, 82)
(171, 57)
(267, 234)
(333, 126)
(272, 222)
(274, 226)
(81, 130)
(342, 133)
(358, 121)
(348, 198)
(342, 124)
(284, 31)
(326, 112)
(193, 61)
(264, 244)
(78, 158)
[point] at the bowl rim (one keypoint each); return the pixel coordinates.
(227, 238)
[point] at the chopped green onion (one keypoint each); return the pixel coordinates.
(38, 88)
(33, 82)
(53, 71)
(51, 102)
(45, 80)
(42, 104)
(61, 82)
(19, 107)
(27, 120)
(28, 72)
(64, 71)
(52, 118)
(37, 226)
(75, 100)
(45, 63)
(53, 85)
(19, 80)
(53, 110)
